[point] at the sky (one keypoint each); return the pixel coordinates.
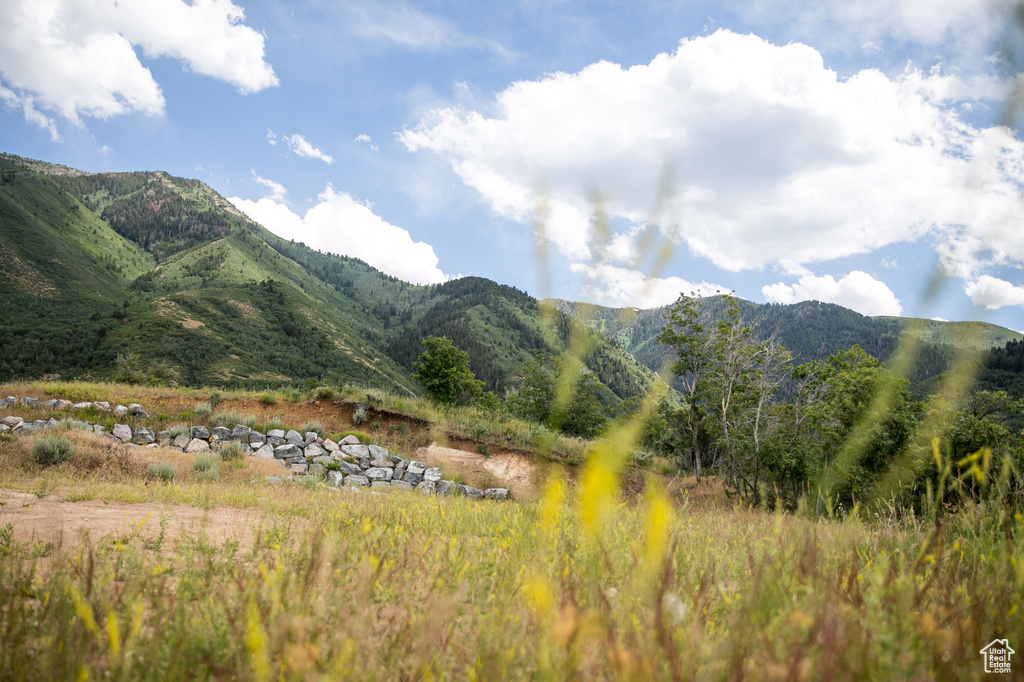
(866, 154)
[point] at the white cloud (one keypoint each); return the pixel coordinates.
(411, 28)
(271, 138)
(858, 291)
(775, 159)
(78, 58)
(994, 293)
(340, 224)
(27, 105)
(624, 287)
(278, 192)
(300, 146)
(366, 139)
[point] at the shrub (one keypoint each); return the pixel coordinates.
(179, 430)
(203, 409)
(48, 450)
(482, 449)
(310, 481)
(333, 465)
(272, 423)
(268, 398)
(207, 466)
(291, 394)
(249, 420)
(69, 423)
(161, 470)
(375, 426)
(324, 393)
(232, 451)
(359, 415)
(228, 418)
(316, 427)
(215, 399)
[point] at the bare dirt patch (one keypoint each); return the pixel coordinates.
(518, 473)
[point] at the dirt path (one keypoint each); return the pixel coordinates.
(50, 519)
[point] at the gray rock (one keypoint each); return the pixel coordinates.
(411, 478)
(200, 432)
(275, 441)
(197, 445)
(98, 429)
(50, 423)
(256, 438)
(299, 469)
(163, 438)
(11, 420)
(316, 469)
(416, 467)
(396, 460)
(445, 488)
(377, 452)
(380, 484)
(137, 410)
(426, 487)
(313, 451)
(121, 411)
(471, 492)
(294, 437)
(323, 459)
(26, 427)
(63, 404)
(349, 469)
(433, 474)
(401, 485)
(273, 480)
(102, 405)
(143, 436)
(287, 450)
(9, 401)
(330, 446)
(382, 463)
(180, 442)
(221, 433)
(264, 452)
(379, 474)
(80, 406)
(355, 450)
(349, 440)
(51, 404)
(240, 432)
(275, 433)
(29, 402)
(123, 431)
(357, 480)
(4, 428)
(400, 469)
(310, 437)
(496, 493)
(335, 478)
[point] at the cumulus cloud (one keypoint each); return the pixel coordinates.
(277, 191)
(620, 287)
(78, 58)
(858, 291)
(340, 224)
(994, 293)
(775, 159)
(300, 146)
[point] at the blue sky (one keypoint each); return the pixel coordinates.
(844, 152)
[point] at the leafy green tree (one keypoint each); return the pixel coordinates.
(443, 371)
(534, 398)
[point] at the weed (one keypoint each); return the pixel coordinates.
(179, 430)
(161, 470)
(315, 427)
(359, 415)
(67, 423)
(249, 420)
(482, 449)
(48, 450)
(375, 426)
(203, 409)
(227, 418)
(324, 393)
(232, 451)
(215, 400)
(207, 466)
(268, 398)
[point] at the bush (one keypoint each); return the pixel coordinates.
(359, 415)
(272, 423)
(324, 393)
(375, 426)
(207, 466)
(232, 451)
(215, 399)
(228, 418)
(316, 427)
(179, 430)
(203, 409)
(161, 470)
(69, 423)
(333, 465)
(268, 398)
(47, 451)
(482, 449)
(292, 395)
(249, 420)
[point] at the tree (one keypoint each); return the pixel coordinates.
(535, 398)
(443, 371)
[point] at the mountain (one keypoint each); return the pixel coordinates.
(108, 273)
(811, 330)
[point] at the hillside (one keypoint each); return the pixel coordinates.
(165, 272)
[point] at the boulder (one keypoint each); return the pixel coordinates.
(445, 488)
(11, 421)
(80, 406)
(137, 410)
(360, 451)
(349, 469)
(200, 432)
(426, 488)
(264, 452)
(51, 404)
(240, 432)
(396, 460)
(4, 428)
(275, 433)
(379, 474)
(325, 460)
(102, 405)
(349, 440)
(123, 431)
(315, 469)
(163, 438)
(29, 402)
(9, 401)
(220, 433)
(275, 441)
(63, 404)
(180, 442)
(287, 450)
(382, 463)
(313, 451)
(357, 480)
(50, 423)
(411, 478)
(98, 429)
(197, 445)
(143, 436)
(380, 484)
(471, 492)
(335, 478)
(294, 437)
(330, 446)
(401, 485)
(377, 452)
(496, 493)
(433, 474)
(273, 480)
(416, 467)
(120, 411)
(310, 437)
(299, 469)
(256, 438)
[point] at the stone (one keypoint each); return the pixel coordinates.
(496, 493)
(349, 469)
(335, 478)
(287, 450)
(11, 421)
(120, 411)
(50, 423)
(401, 485)
(137, 410)
(377, 452)
(9, 401)
(180, 442)
(220, 433)
(316, 469)
(400, 469)
(163, 438)
(382, 463)
(379, 474)
(29, 402)
(4, 428)
(143, 436)
(200, 432)
(240, 432)
(323, 459)
(416, 467)
(445, 488)
(98, 429)
(256, 438)
(275, 441)
(197, 445)
(330, 446)
(356, 450)
(411, 478)
(51, 404)
(357, 480)
(264, 452)
(294, 437)
(275, 433)
(313, 451)
(310, 437)
(349, 440)
(102, 405)
(433, 474)
(471, 492)
(396, 460)
(298, 469)
(380, 484)
(63, 404)
(426, 488)
(80, 406)
(123, 431)
(273, 480)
